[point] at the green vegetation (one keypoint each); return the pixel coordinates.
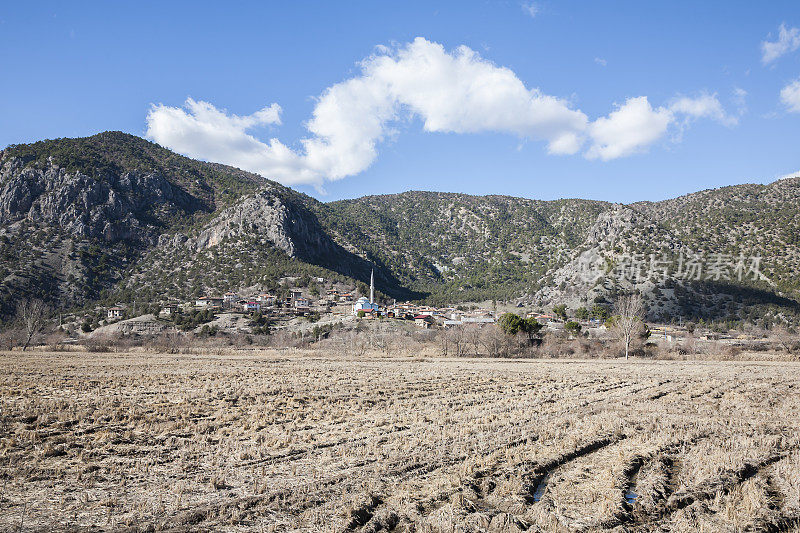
(572, 327)
(512, 324)
(260, 324)
(190, 320)
(600, 312)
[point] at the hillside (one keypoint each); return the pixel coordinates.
(460, 247)
(76, 214)
(115, 218)
(759, 220)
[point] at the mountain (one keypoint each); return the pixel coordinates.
(460, 247)
(114, 217)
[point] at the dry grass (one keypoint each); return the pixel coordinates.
(303, 442)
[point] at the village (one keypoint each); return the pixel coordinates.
(334, 302)
(301, 308)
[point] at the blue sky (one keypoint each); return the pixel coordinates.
(702, 107)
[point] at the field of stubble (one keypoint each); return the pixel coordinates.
(302, 443)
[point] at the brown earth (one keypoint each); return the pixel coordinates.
(277, 442)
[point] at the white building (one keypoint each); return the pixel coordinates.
(208, 301)
(251, 307)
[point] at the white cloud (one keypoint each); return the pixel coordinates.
(530, 8)
(450, 92)
(630, 129)
(635, 125)
(204, 132)
(704, 106)
(600, 61)
(788, 41)
(790, 96)
(456, 92)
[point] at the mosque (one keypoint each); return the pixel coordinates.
(363, 304)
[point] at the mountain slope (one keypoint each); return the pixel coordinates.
(762, 220)
(103, 217)
(75, 214)
(461, 247)
(115, 218)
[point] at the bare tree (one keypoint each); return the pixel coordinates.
(493, 340)
(453, 341)
(785, 337)
(628, 322)
(32, 318)
(474, 337)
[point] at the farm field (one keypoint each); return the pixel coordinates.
(277, 442)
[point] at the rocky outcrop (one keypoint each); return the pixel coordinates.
(131, 206)
(587, 276)
(288, 225)
(141, 325)
(612, 224)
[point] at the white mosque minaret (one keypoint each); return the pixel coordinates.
(363, 304)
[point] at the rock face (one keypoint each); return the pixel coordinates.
(129, 207)
(287, 225)
(75, 234)
(587, 276)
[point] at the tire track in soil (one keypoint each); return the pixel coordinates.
(728, 482)
(537, 475)
(781, 522)
(677, 501)
(404, 473)
(407, 473)
(589, 448)
(664, 455)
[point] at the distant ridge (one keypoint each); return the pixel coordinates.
(114, 217)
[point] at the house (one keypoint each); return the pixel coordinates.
(295, 294)
(266, 299)
(346, 297)
(115, 312)
(170, 309)
(301, 302)
(323, 306)
(332, 295)
(369, 313)
(251, 307)
(208, 301)
(424, 321)
(404, 311)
